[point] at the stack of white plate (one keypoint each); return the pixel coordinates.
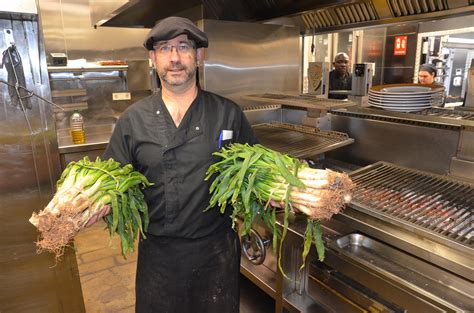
(405, 97)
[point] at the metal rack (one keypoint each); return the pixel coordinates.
(456, 114)
(426, 214)
(300, 101)
(433, 202)
(299, 141)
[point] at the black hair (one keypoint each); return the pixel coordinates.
(428, 68)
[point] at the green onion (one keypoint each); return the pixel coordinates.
(248, 178)
(86, 187)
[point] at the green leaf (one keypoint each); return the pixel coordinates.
(290, 178)
(318, 239)
(308, 240)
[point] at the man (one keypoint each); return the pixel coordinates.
(340, 78)
(190, 260)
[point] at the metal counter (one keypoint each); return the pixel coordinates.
(97, 138)
(448, 117)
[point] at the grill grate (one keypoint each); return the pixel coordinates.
(433, 202)
(299, 141)
(457, 114)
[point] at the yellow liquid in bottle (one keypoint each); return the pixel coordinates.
(78, 136)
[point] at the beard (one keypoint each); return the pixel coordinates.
(167, 73)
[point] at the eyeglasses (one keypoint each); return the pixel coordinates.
(182, 47)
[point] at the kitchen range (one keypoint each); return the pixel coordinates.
(404, 243)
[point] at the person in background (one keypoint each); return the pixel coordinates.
(339, 77)
(190, 259)
(427, 74)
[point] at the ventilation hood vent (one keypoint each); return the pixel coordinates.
(412, 7)
(358, 14)
(309, 15)
(341, 15)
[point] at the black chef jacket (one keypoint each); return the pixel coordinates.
(176, 159)
(338, 83)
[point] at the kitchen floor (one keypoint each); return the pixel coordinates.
(108, 280)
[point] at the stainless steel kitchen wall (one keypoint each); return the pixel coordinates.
(29, 168)
(421, 146)
(68, 28)
(248, 58)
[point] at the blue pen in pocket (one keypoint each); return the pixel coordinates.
(225, 137)
(219, 145)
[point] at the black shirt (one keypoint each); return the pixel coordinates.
(339, 83)
(176, 159)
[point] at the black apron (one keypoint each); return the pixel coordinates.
(180, 275)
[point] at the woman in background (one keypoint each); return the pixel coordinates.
(427, 74)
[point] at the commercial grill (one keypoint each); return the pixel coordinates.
(403, 244)
(436, 204)
(428, 215)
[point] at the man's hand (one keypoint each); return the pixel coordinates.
(281, 205)
(98, 215)
(275, 204)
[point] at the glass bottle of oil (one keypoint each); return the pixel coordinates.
(77, 128)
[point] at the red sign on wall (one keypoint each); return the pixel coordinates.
(400, 46)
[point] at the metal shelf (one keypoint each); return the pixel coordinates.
(97, 68)
(76, 92)
(69, 107)
(299, 141)
(301, 101)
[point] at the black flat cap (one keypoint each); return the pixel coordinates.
(172, 27)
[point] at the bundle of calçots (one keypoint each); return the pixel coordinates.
(83, 189)
(250, 177)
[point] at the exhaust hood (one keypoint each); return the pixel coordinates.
(145, 13)
(309, 15)
(376, 12)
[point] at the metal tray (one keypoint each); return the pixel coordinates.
(299, 141)
(402, 269)
(301, 101)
